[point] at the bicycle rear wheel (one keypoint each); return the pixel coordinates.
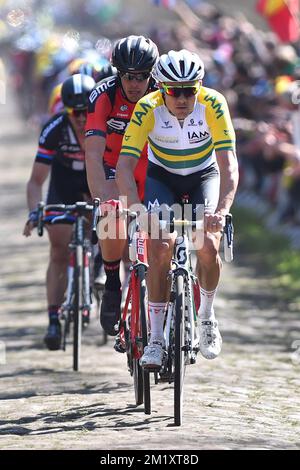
(179, 365)
(77, 308)
(138, 382)
(144, 328)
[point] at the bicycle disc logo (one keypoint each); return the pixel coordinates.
(181, 255)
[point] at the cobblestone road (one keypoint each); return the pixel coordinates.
(248, 398)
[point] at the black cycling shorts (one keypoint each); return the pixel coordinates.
(66, 185)
(165, 188)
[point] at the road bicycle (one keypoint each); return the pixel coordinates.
(76, 308)
(181, 325)
(181, 329)
(132, 328)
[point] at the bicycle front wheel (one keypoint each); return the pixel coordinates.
(138, 382)
(179, 365)
(77, 311)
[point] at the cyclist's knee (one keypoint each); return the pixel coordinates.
(59, 252)
(59, 256)
(160, 251)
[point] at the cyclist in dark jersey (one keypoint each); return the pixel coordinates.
(61, 153)
(110, 108)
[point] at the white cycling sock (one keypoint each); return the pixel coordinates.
(206, 311)
(157, 318)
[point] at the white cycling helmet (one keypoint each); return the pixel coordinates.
(178, 66)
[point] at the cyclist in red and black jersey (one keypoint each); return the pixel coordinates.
(61, 152)
(110, 108)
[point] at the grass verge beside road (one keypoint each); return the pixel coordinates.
(270, 252)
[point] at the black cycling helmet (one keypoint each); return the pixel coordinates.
(76, 89)
(134, 54)
(106, 71)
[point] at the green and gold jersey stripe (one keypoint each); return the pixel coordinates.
(182, 163)
(127, 149)
(178, 155)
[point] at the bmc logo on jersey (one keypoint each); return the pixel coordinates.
(195, 138)
(117, 125)
(100, 89)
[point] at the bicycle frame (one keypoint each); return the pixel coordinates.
(133, 329)
(80, 249)
(138, 257)
(181, 264)
(76, 307)
(80, 256)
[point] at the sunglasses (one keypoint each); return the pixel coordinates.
(79, 112)
(176, 91)
(139, 77)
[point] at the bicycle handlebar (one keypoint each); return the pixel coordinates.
(170, 226)
(98, 213)
(95, 219)
(65, 213)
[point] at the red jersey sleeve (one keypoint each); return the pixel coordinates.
(98, 112)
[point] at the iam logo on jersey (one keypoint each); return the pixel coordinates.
(196, 137)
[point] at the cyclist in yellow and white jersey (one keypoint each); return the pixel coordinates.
(191, 150)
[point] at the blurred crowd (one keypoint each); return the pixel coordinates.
(259, 76)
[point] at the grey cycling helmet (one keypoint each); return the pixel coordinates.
(178, 66)
(76, 90)
(134, 54)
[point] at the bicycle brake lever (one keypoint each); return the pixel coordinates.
(95, 220)
(40, 213)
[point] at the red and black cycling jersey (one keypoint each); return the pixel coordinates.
(58, 141)
(109, 113)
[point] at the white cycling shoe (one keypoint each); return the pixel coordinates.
(210, 339)
(153, 356)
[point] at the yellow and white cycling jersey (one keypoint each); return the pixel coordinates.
(181, 150)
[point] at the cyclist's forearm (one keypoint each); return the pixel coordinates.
(95, 175)
(39, 174)
(126, 182)
(34, 195)
(229, 177)
(94, 151)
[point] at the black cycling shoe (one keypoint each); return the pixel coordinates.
(119, 346)
(53, 336)
(110, 311)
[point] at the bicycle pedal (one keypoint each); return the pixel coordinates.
(118, 346)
